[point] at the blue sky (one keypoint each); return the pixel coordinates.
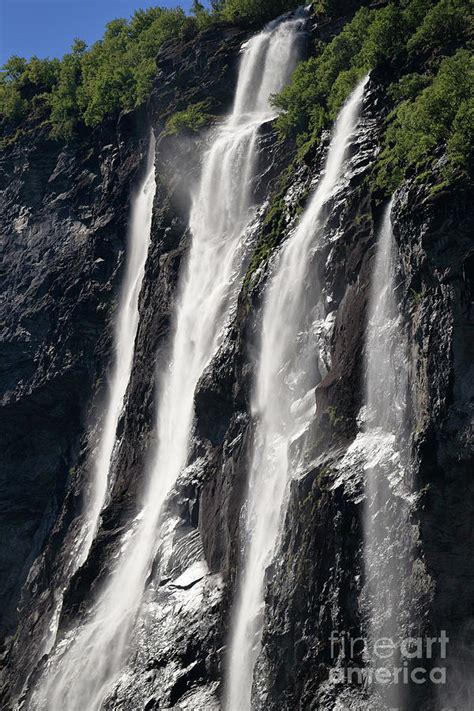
(47, 27)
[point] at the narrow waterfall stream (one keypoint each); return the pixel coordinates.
(126, 327)
(383, 396)
(387, 499)
(125, 331)
(283, 403)
(88, 660)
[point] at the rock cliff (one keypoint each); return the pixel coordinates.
(63, 213)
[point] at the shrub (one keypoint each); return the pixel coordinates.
(23, 84)
(255, 10)
(461, 139)
(385, 37)
(408, 87)
(13, 106)
(64, 96)
(193, 118)
(203, 17)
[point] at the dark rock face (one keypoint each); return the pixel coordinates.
(436, 247)
(63, 224)
(199, 70)
(63, 216)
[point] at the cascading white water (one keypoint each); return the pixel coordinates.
(385, 410)
(126, 326)
(283, 404)
(386, 509)
(90, 658)
(125, 330)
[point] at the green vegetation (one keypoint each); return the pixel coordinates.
(203, 18)
(115, 73)
(321, 84)
(275, 223)
(255, 10)
(89, 84)
(63, 100)
(26, 85)
(434, 107)
(447, 21)
(193, 118)
(441, 114)
(423, 41)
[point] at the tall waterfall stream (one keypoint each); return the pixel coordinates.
(387, 493)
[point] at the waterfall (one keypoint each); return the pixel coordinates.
(386, 528)
(383, 396)
(89, 659)
(126, 326)
(283, 403)
(125, 331)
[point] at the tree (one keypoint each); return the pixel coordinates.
(63, 100)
